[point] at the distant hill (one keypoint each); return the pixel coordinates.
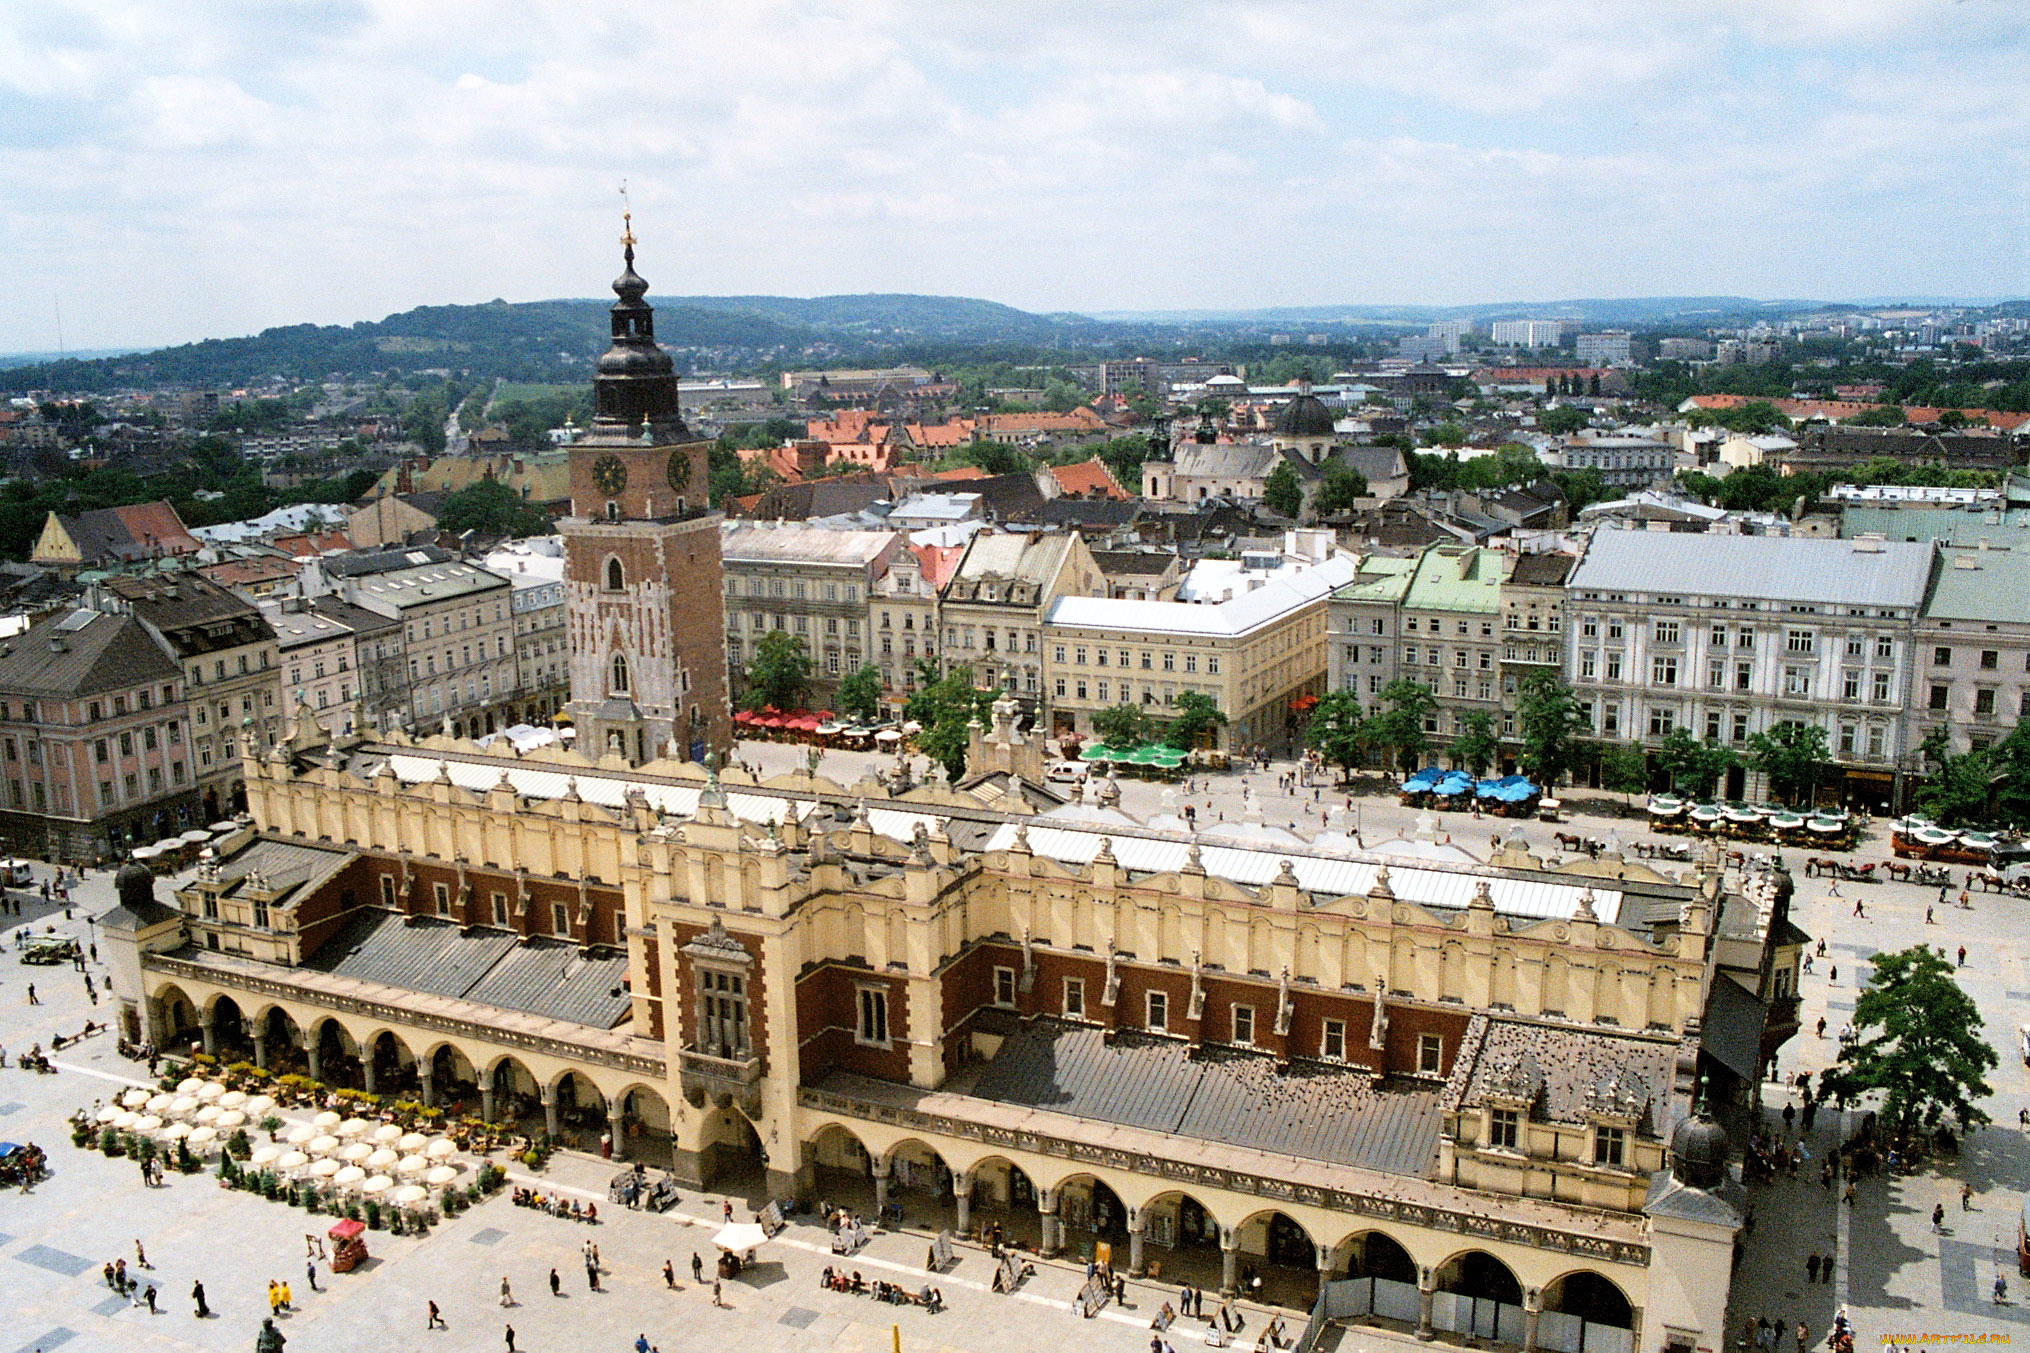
(543, 341)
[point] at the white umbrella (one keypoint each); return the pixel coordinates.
(324, 1169)
(233, 1099)
(229, 1120)
(183, 1106)
(175, 1131)
(295, 1160)
(203, 1136)
(265, 1155)
(325, 1121)
(110, 1112)
(148, 1124)
(133, 1099)
(258, 1105)
(353, 1127)
(299, 1135)
(411, 1193)
(125, 1120)
(160, 1103)
(387, 1132)
(440, 1175)
(380, 1183)
(412, 1165)
(210, 1113)
(321, 1146)
(411, 1143)
(740, 1235)
(210, 1090)
(441, 1148)
(188, 1085)
(351, 1174)
(380, 1162)
(355, 1153)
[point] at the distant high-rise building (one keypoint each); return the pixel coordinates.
(1452, 331)
(1612, 347)
(1528, 333)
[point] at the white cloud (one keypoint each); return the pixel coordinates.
(174, 169)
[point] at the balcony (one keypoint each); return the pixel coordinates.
(722, 1081)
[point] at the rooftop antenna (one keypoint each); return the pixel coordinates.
(57, 301)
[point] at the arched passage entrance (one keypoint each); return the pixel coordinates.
(580, 1112)
(1278, 1262)
(841, 1169)
(176, 1021)
(281, 1043)
(454, 1082)
(1094, 1220)
(1001, 1203)
(391, 1065)
(731, 1158)
(645, 1127)
(1478, 1296)
(1386, 1278)
(338, 1059)
(1584, 1312)
(512, 1097)
(1180, 1239)
(920, 1186)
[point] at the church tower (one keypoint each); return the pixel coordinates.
(643, 606)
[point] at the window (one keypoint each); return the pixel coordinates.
(1074, 998)
(1880, 691)
(1740, 727)
(442, 894)
(1667, 631)
(1938, 699)
(1588, 663)
(1745, 640)
(1744, 673)
(1004, 986)
(1157, 1011)
(1663, 671)
(1662, 720)
(1614, 629)
(99, 751)
(1990, 659)
(1244, 1025)
(500, 912)
(1850, 686)
(560, 919)
(1332, 1043)
(1430, 1054)
(1610, 1144)
(1614, 667)
(1885, 647)
(1504, 1128)
(722, 1014)
(1719, 637)
(1984, 702)
(618, 683)
(873, 1028)
(1797, 681)
(1798, 641)
(1589, 628)
(1856, 646)
(1941, 657)
(1847, 739)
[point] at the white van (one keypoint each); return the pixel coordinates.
(17, 874)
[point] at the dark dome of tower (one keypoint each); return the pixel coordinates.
(1304, 416)
(1699, 1151)
(135, 883)
(635, 381)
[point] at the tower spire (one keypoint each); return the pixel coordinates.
(636, 382)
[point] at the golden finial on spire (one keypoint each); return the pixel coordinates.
(626, 217)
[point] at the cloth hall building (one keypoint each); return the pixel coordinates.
(1459, 1090)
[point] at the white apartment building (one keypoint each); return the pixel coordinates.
(1731, 635)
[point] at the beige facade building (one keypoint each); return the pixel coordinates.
(804, 581)
(993, 608)
(458, 635)
(902, 613)
(536, 576)
(961, 1007)
(1252, 655)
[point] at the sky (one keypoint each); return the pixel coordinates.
(172, 171)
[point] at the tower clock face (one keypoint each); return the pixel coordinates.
(680, 471)
(610, 474)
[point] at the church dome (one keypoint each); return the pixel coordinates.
(134, 883)
(1699, 1151)
(1304, 416)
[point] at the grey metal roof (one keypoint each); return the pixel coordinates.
(418, 953)
(1319, 1113)
(292, 863)
(84, 653)
(1732, 1032)
(555, 978)
(544, 977)
(1764, 568)
(1571, 1062)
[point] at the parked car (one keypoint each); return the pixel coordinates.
(1065, 772)
(17, 874)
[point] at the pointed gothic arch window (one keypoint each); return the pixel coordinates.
(618, 672)
(616, 577)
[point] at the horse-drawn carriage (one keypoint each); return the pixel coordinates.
(20, 1164)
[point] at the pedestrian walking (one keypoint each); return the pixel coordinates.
(31, 995)
(141, 1256)
(1937, 1218)
(310, 1274)
(436, 1320)
(507, 1295)
(717, 1298)
(669, 1275)
(197, 1295)
(120, 1275)
(726, 1210)
(1963, 956)
(591, 1277)
(1834, 891)
(556, 1284)
(508, 1334)
(1858, 911)
(1966, 1197)
(1929, 919)
(697, 1268)
(1848, 1196)
(151, 1300)
(1833, 974)
(288, 1298)
(1803, 1337)
(1811, 1267)
(1822, 1026)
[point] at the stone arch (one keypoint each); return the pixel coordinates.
(1478, 1296)
(1583, 1296)
(999, 1184)
(338, 1060)
(730, 1152)
(574, 1108)
(1181, 1238)
(1374, 1253)
(389, 1062)
(646, 1125)
(1091, 1209)
(454, 1077)
(176, 1017)
(281, 1038)
(512, 1092)
(615, 574)
(1278, 1258)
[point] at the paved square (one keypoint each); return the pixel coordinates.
(56, 1261)
(487, 1237)
(50, 1339)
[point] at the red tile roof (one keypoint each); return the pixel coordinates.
(1838, 410)
(937, 563)
(1088, 479)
